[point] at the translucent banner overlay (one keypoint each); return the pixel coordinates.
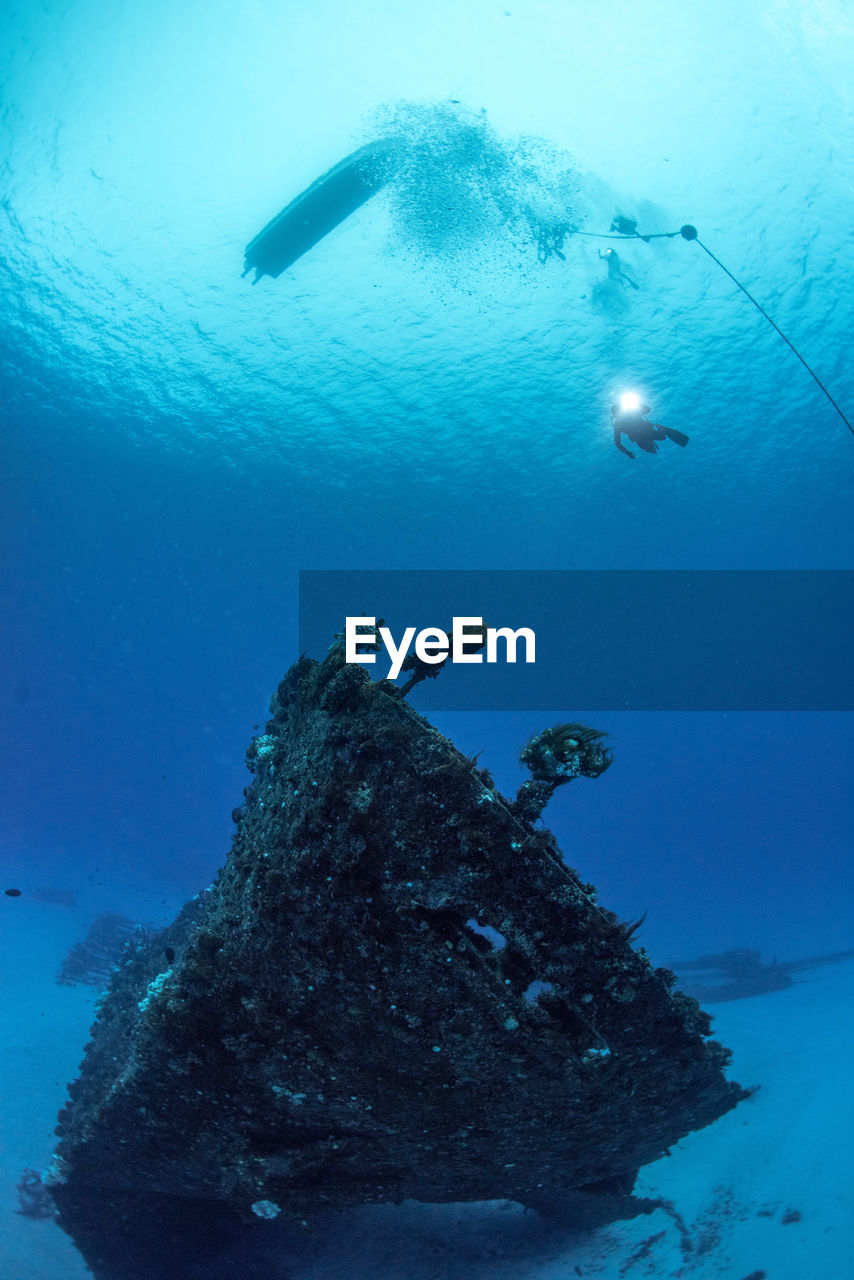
(693, 640)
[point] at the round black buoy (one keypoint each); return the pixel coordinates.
(688, 232)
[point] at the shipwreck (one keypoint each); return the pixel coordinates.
(395, 989)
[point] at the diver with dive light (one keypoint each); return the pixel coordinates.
(629, 418)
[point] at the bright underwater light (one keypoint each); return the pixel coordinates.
(629, 401)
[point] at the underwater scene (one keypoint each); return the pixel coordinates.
(345, 347)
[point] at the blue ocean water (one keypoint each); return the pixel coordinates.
(420, 391)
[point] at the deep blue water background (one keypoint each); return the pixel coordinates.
(178, 445)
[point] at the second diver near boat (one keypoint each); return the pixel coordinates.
(629, 418)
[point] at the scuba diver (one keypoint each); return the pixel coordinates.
(627, 227)
(629, 418)
(615, 270)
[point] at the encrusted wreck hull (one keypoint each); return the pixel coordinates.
(326, 1028)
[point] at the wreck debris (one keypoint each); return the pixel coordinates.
(91, 961)
(34, 1198)
(330, 1030)
(735, 975)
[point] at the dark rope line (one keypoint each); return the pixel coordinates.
(764, 313)
(602, 235)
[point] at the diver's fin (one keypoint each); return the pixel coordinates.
(649, 446)
(678, 437)
(322, 206)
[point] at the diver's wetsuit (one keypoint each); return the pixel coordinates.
(615, 268)
(633, 423)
